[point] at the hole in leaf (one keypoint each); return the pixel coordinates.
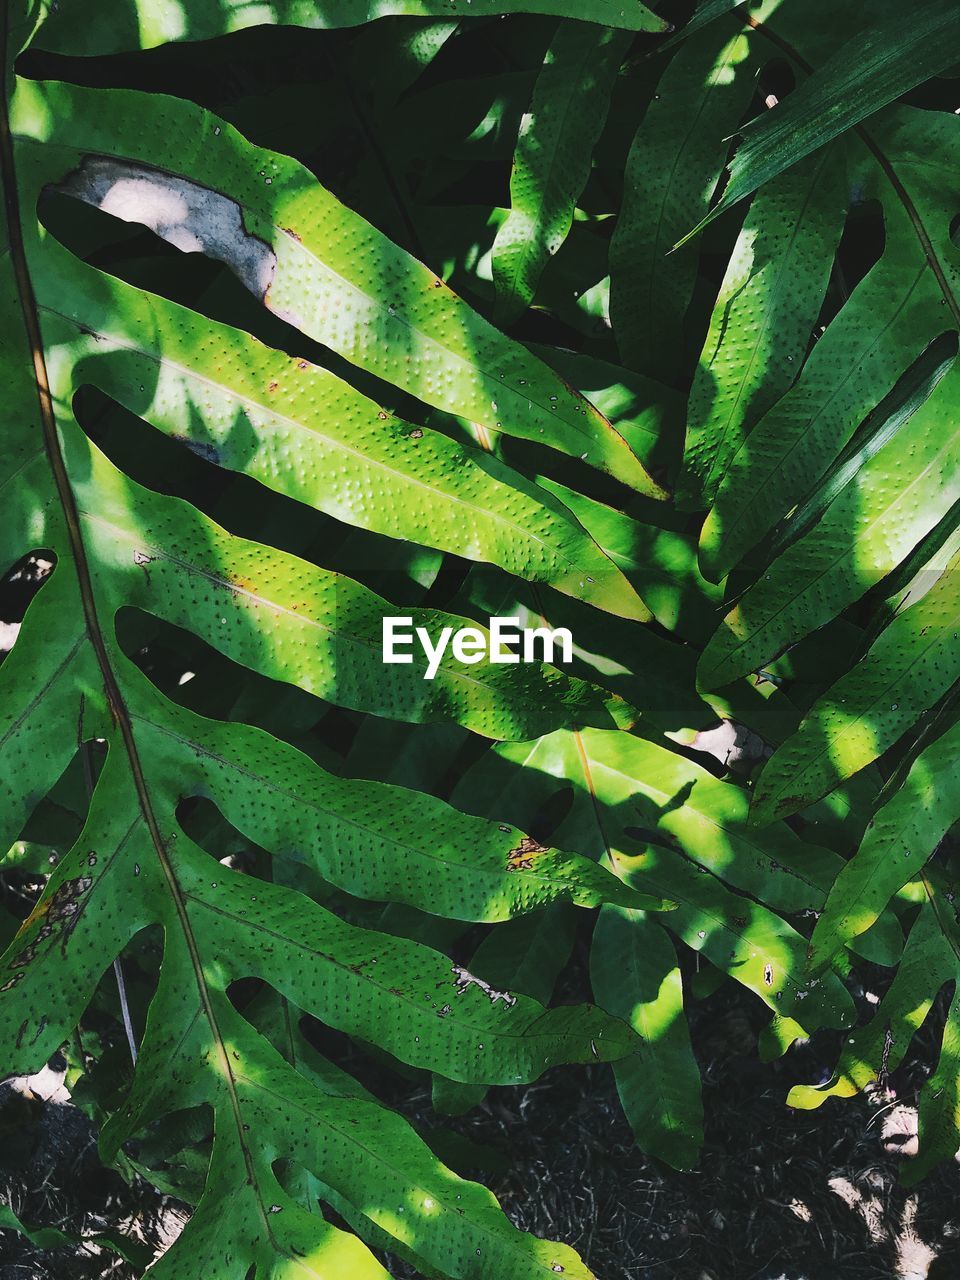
(243, 991)
(776, 81)
(861, 247)
(220, 688)
(399, 571)
(551, 814)
(55, 818)
(206, 826)
(18, 587)
(22, 581)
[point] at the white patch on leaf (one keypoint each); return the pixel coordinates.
(466, 980)
(191, 217)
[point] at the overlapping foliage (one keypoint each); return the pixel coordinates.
(447, 362)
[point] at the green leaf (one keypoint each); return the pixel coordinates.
(913, 663)
(373, 1162)
(159, 21)
(634, 972)
(939, 1114)
(553, 157)
(307, 258)
(311, 627)
(527, 955)
(370, 838)
(254, 410)
(633, 806)
(674, 163)
(897, 310)
(902, 837)
(895, 500)
(764, 317)
(254, 406)
(911, 391)
(646, 412)
(349, 977)
(118, 546)
(690, 810)
(660, 564)
(894, 53)
(706, 12)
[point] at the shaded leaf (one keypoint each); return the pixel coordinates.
(895, 52)
(634, 973)
(553, 157)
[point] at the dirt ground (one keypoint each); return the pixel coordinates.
(779, 1195)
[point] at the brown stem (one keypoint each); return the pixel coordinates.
(118, 710)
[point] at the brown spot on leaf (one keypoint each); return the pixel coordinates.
(791, 802)
(24, 957)
(202, 448)
(522, 857)
(64, 902)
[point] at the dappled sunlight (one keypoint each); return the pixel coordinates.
(741, 937)
(725, 71)
(161, 22)
(864, 713)
(30, 112)
(655, 1017)
(346, 342)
